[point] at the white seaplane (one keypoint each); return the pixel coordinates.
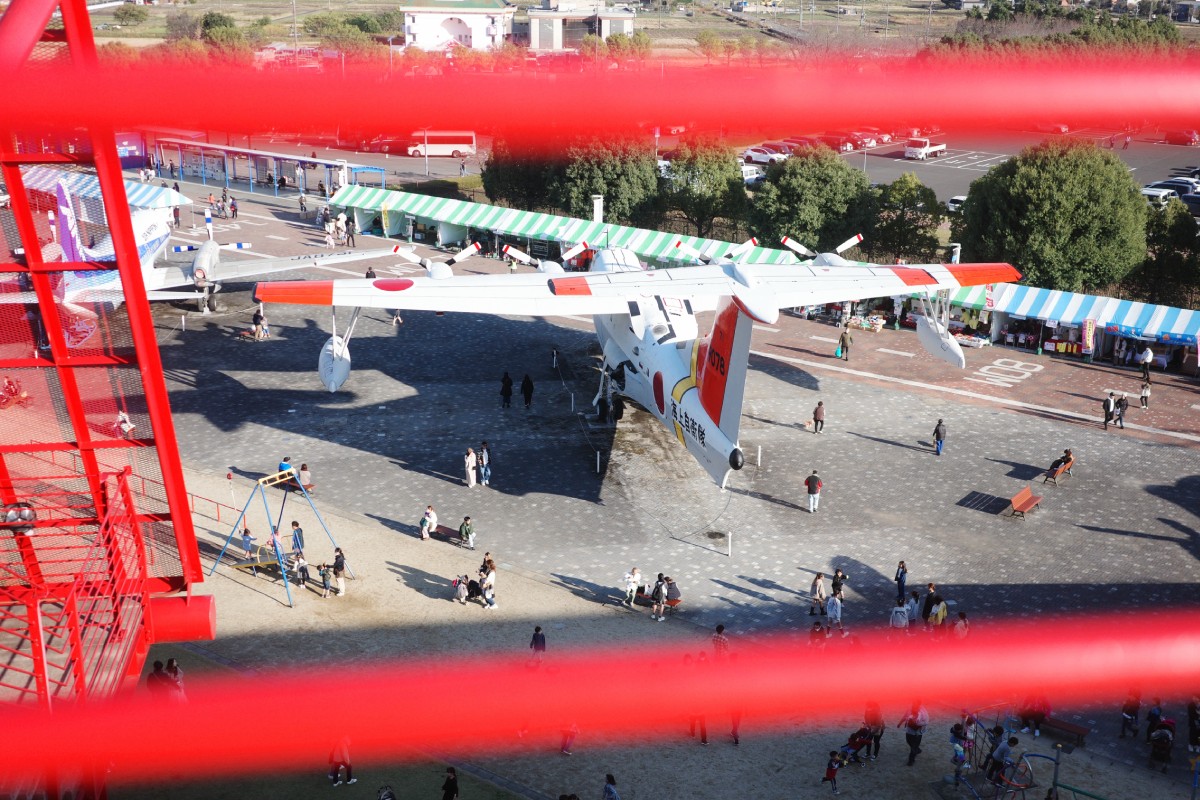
(654, 354)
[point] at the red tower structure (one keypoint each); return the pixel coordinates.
(97, 550)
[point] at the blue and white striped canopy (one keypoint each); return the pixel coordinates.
(1125, 317)
(79, 184)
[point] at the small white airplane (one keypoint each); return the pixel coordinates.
(81, 291)
(654, 355)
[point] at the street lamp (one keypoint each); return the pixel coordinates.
(390, 38)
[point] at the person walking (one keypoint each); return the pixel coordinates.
(339, 570)
(466, 534)
(813, 484)
(484, 458)
(1122, 407)
(844, 342)
(1110, 408)
(1146, 359)
(527, 390)
(837, 584)
(351, 229)
(538, 643)
(819, 417)
(833, 615)
(898, 621)
(831, 769)
(1129, 714)
(901, 579)
(720, 643)
(914, 724)
(927, 604)
(233, 207)
(324, 573)
(470, 462)
(303, 207)
(913, 607)
(610, 783)
(370, 274)
(248, 549)
(1145, 395)
(1193, 712)
(257, 320)
(817, 595)
(873, 720)
(462, 167)
(175, 215)
(175, 676)
(339, 759)
(1128, 139)
(506, 391)
(450, 785)
(658, 596)
(302, 576)
(633, 579)
(939, 436)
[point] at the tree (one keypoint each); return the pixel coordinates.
(320, 24)
(367, 23)
(228, 42)
(118, 54)
(182, 25)
(624, 172)
(131, 15)
(619, 47)
(592, 47)
(906, 222)
(709, 44)
(346, 39)
(704, 183)
(640, 45)
(215, 19)
(814, 197)
(1065, 213)
(519, 178)
(729, 49)
(1171, 272)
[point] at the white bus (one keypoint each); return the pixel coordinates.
(442, 143)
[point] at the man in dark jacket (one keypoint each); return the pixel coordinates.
(939, 436)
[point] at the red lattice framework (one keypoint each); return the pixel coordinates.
(86, 573)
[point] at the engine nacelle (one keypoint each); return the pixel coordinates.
(935, 338)
(333, 365)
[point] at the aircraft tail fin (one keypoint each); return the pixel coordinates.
(68, 228)
(722, 362)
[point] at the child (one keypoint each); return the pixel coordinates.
(301, 569)
(460, 589)
(325, 572)
(248, 547)
(831, 769)
(1146, 395)
(857, 741)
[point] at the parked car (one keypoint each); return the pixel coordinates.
(954, 204)
(867, 139)
(859, 142)
(1190, 138)
(1180, 185)
(1158, 198)
(778, 147)
(803, 141)
(837, 142)
(753, 175)
(1192, 201)
(1052, 127)
(760, 155)
(881, 136)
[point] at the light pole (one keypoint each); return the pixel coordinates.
(426, 132)
(390, 38)
(295, 37)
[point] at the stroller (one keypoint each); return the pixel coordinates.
(858, 740)
(1161, 742)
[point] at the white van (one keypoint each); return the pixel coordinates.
(1158, 198)
(752, 174)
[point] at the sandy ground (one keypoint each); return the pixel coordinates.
(399, 604)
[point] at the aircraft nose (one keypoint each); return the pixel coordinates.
(736, 459)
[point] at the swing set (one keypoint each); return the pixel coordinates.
(268, 555)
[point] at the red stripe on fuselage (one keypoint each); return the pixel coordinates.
(912, 276)
(308, 293)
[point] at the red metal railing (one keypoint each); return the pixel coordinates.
(72, 604)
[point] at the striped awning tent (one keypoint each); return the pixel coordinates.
(82, 185)
(647, 244)
(1124, 317)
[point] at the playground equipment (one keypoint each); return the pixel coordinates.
(271, 554)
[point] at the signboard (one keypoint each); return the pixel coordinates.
(989, 301)
(1089, 335)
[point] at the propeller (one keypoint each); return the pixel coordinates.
(796, 247)
(439, 269)
(732, 255)
(525, 258)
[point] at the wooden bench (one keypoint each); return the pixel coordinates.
(1058, 472)
(1069, 728)
(447, 533)
(1024, 500)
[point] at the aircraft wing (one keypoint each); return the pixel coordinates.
(759, 287)
(784, 286)
(519, 295)
(232, 270)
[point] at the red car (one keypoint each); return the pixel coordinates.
(1190, 138)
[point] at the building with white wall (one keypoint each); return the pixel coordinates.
(440, 24)
(562, 24)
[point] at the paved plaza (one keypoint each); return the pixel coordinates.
(1120, 536)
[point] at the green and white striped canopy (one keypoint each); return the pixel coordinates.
(654, 245)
